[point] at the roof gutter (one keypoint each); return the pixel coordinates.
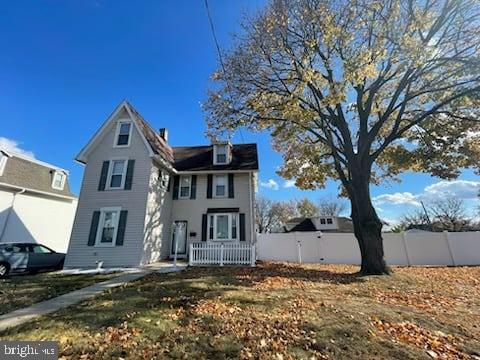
(23, 189)
(164, 163)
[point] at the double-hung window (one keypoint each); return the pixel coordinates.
(107, 226)
(124, 130)
(58, 181)
(329, 221)
(221, 185)
(221, 154)
(116, 179)
(223, 227)
(185, 186)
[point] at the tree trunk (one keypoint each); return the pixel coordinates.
(368, 229)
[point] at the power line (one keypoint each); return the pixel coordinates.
(220, 58)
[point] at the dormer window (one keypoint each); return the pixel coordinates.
(58, 181)
(220, 154)
(3, 162)
(123, 134)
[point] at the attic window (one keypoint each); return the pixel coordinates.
(124, 130)
(220, 154)
(58, 181)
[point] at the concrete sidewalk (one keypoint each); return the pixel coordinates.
(24, 315)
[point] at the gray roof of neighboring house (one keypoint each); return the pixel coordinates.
(32, 174)
(200, 158)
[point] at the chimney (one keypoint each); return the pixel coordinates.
(164, 134)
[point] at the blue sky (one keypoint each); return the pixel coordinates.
(65, 65)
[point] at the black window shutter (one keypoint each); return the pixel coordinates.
(103, 176)
(93, 228)
(129, 176)
(193, 190)
(176, 183)
(209, 186)
(122, 222)
(231, 190)
(169, 182)
(204, 227)
(242, 227)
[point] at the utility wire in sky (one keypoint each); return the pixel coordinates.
(220, 58)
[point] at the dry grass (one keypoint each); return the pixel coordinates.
(24, 290)
(275, 311)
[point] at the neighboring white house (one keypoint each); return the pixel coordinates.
(36, 204)
(140, 196)
(320, 223)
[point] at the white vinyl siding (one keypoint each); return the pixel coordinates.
(192, 211)
(133, 201)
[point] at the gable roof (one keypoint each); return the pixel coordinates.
(153, 142)
(33, 175)
(200, 158)
(183, 158)
(156, 142)
(305, 225)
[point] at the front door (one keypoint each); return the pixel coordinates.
(179, 238)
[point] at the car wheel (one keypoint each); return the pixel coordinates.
(4, 269)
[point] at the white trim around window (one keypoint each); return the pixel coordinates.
(216, 227)
(224, 152)
(58, 180)
(109, 216)
(3, 162)
(185, 183)
(220, 183)
(121, 125)
(114, 171)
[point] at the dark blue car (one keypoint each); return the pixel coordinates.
(27, 257)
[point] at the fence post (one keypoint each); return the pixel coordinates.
(252, 256)
(406, 248)
(447, 238)
(190, 255)
(221, 255)
(299, 248)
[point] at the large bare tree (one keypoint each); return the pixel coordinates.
(357, 91)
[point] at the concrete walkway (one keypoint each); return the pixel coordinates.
(24, 315)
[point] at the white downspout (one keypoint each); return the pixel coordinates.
(5, 224)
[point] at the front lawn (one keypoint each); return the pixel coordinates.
(274, 311)
(24, 290)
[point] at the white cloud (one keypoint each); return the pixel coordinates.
(404, 198)
(14, 147)
(463, 189)
(289, 184)
(270, 184)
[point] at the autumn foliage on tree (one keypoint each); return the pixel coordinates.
(357, 91)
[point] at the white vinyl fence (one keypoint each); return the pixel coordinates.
(221, 254)
(422, 248)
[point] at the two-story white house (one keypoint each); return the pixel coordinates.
(142, 200)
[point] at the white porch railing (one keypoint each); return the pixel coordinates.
(221, 254)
